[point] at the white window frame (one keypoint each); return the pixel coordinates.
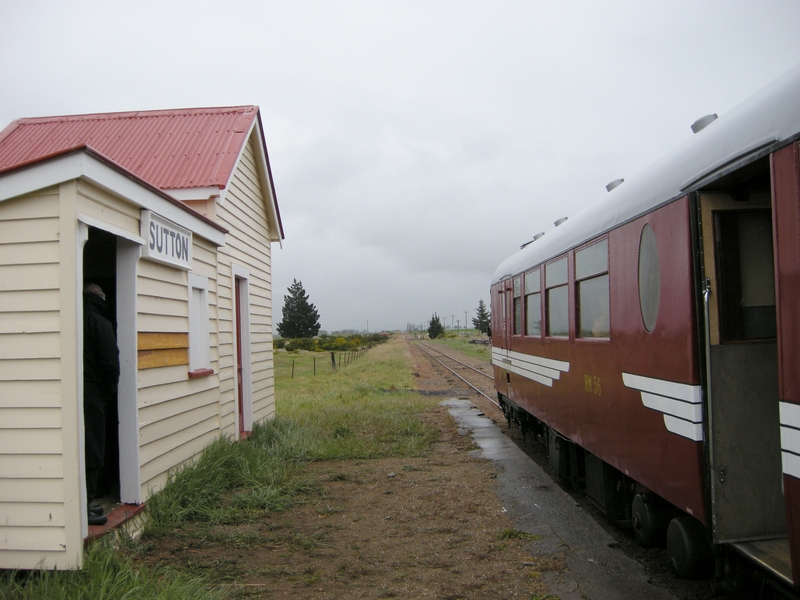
(199, 334)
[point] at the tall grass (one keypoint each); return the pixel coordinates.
(106, 575)
(230, 483)
(367, 410)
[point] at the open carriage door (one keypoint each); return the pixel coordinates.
(786, 216)
(501, 316)
(743, 434)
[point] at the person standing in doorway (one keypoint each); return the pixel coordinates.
(100, 379)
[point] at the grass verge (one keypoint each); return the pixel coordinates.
(366, 410)
(106, 574)
(462, 345)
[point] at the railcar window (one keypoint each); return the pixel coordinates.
(517, 305)
(591, 276)
(555, 275)
(533, 303)
(649, 278)
(746, 275)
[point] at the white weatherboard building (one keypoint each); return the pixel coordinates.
(173, 213)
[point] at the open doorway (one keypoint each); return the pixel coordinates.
(244, 390)
(100, 268)
(744, 426)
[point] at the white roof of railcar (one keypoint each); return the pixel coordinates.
(768, 119)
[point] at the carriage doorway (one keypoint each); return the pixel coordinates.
(743, 431)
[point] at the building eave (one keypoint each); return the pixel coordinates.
(83, 162)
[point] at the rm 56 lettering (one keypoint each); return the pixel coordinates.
(591, 385)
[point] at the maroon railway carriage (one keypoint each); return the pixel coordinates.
(652, 340)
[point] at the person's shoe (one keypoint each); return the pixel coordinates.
(95, 509)
(97, 519)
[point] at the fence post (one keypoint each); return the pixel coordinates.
(292, 368)
(315, 365)
(333, 361)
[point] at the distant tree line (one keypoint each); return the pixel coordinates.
(331, 343)
(482, 322)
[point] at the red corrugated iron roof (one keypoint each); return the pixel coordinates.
(170, 149)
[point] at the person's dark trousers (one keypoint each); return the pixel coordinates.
(94, 421)
(92, 476)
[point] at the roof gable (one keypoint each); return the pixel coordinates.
(170, 149)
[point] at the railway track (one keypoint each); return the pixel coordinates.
(441, 358)
(654, 560)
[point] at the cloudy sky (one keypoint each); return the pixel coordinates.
(414, 145)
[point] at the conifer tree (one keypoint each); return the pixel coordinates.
(483, 319)
(435, 328)
(300, 318)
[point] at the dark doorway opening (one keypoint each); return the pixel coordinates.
(100, 267)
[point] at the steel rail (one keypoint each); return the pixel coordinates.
(458, 361)
(425, 350)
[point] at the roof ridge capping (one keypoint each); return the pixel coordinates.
(131, 114)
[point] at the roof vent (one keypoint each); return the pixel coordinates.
(703, 122)
(610, 186)
(536, 237)
(560, 221)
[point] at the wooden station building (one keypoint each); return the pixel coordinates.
(173, 214)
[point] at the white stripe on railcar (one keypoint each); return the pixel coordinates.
(680, 403)
(790, 438)
(536, 368)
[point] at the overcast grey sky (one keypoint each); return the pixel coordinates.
(414, 145)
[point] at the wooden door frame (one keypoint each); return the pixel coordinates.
(127, 258)
(240, 284)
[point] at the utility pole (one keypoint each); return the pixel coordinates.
(452, 321)
(465, 320)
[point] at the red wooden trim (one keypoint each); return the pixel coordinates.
(198, 373)
(118, 516)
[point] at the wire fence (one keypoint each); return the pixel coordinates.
(324, 362)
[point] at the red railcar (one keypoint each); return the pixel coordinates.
(652, 340)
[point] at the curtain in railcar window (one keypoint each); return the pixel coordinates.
(533, 303)
(555, 275)
(517, 305)
(591, 276)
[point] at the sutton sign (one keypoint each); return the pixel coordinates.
(166, 242)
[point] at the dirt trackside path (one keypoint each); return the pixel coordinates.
(428, 527)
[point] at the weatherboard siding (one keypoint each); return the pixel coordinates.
(176, 414)
(99, 204)
(32, 494)
(244, 214)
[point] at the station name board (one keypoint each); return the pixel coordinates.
(166, 242)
